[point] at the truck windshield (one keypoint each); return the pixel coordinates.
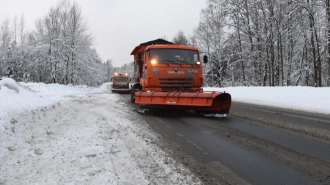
(121, 79)
(177, 56)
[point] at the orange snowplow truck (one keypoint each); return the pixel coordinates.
(120, 83)
(170, 76)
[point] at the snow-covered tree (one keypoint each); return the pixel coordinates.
(270, 42)
(59, 49)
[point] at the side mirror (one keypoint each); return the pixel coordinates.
(205, 59)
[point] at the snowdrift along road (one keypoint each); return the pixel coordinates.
(83, 139)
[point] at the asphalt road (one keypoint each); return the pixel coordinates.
(253, 145)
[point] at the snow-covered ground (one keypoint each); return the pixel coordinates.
(56, 134)
(34, 95)
(309, 99)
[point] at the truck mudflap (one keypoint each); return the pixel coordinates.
(206, 102)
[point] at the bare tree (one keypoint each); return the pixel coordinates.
(327, 5)
(180, 38)
(15, 28)
(5, 39)
(275, 42)
(211, 36)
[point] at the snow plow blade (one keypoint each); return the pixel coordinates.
(206, 102)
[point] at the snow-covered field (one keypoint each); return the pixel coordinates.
(56, 134)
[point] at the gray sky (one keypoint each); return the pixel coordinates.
(118, 25)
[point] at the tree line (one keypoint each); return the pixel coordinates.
(249, 42)
(58, 50)
(264, 42)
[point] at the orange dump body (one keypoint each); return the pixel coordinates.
(170, 76)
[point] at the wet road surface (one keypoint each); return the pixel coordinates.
(253, 145)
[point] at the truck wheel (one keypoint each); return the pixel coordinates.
(132, 95)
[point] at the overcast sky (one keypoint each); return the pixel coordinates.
(118, 25)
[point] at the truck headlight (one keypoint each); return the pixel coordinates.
(153, 61)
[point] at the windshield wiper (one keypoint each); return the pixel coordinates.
(183, 61)
(186, 62)
(167, 61)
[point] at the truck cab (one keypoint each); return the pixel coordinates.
(168, 67)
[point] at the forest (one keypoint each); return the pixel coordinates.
(248, 42)
(59, 50)
(265, 42)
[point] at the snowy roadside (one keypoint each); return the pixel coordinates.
(86, 138)
(309, 99)
(34, 95)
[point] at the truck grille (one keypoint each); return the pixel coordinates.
(174, 84)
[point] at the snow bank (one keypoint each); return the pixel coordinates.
(311, 99)
(34, 95)
(9, 83)
(59, 91)
(94, 139)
